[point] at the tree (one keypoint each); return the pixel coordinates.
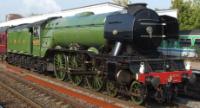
(196, 13)
(196, 2)
(122, 2)
(196, 16)
(188, 13)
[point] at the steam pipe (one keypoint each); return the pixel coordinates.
(117, 48)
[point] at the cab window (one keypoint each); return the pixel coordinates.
(170, 43)
(36, 31)
(185, 42)
(197, 42)
(176, 44)
(164, 44)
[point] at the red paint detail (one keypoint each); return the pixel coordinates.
(3, 42)
(176, 76)
(14, 69)
(17, 72)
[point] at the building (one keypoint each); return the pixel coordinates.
(96, 8)
(12, 17)
(170, 12)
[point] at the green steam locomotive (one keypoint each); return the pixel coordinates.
(115, 51)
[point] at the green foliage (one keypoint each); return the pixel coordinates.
(188, 13)
(122, 2)
(196, 2)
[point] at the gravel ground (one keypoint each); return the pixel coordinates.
(8, 100)
(38, 96)
(189, 102)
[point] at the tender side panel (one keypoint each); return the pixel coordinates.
(19, 41)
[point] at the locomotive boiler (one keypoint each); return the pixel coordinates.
(116, 52)
(135, 25)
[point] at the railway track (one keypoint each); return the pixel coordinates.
(117, 102)
(193, 90)
(13, 96)
(89, 99)
(188, 102)
(191, 98)
(37, 96)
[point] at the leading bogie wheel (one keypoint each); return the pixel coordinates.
(138, 93)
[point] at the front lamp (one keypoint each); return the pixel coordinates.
(187, 65)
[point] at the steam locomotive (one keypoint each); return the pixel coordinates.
(116, 52)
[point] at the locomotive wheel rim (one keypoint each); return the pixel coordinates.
(136, 89)
(87, 80)
(111, 89)
(76, 80)
(60, 66)
(96, 83)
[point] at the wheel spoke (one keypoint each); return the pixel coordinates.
(74, 61)
(60, 66)
(76, 80)
(96, 83)
(111, 89)
(137, 89)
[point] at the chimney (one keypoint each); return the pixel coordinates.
(133, 8)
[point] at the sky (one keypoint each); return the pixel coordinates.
(28, 7)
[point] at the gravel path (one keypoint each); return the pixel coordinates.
(8, 100)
